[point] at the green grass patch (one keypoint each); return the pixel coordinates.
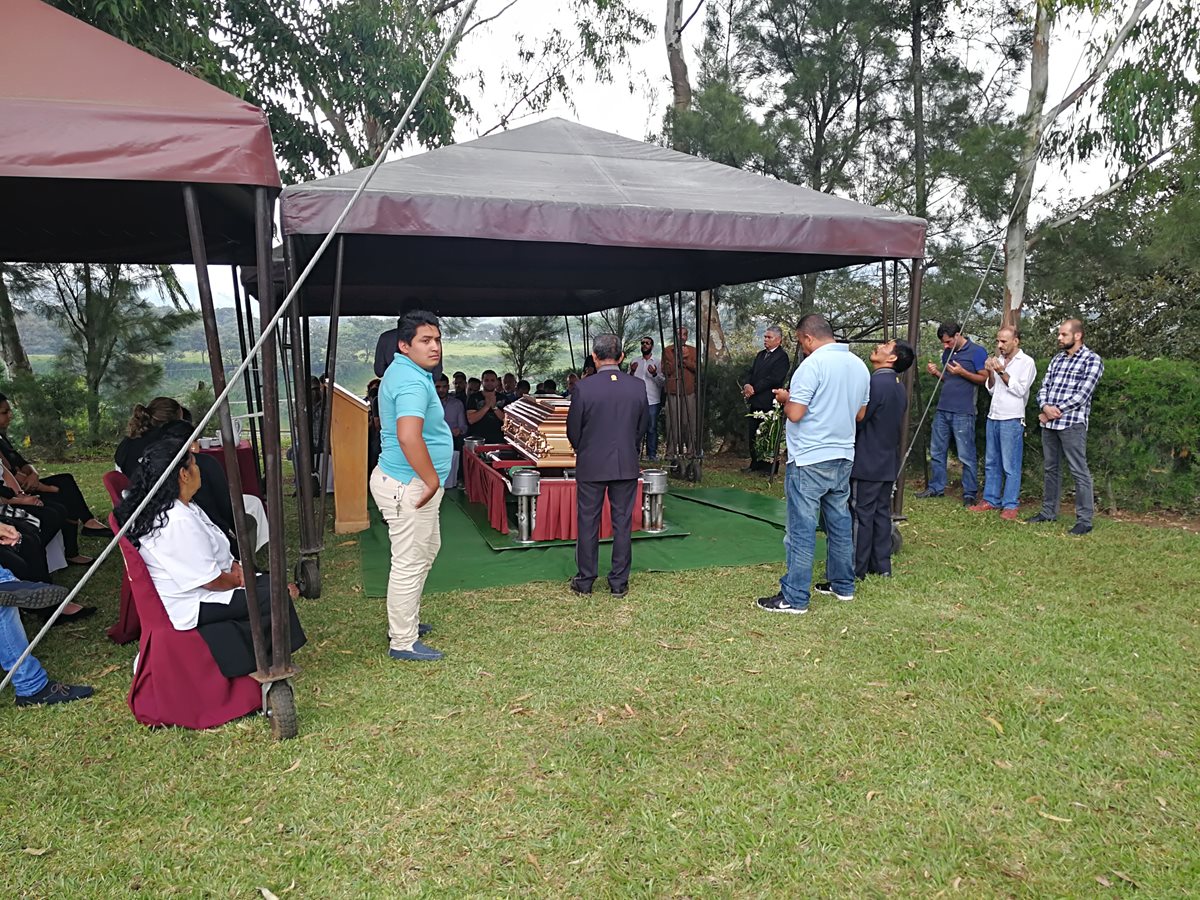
(1014, 713)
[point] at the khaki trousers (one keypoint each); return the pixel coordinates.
(416, 536)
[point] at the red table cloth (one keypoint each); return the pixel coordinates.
(245, 457)
(556, 520)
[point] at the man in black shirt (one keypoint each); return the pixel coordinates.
(877, 460)
(485, 413)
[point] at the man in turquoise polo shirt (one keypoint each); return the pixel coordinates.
(416, 448)
(827, 397)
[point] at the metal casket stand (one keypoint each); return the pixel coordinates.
(525, 485)
(654, 488)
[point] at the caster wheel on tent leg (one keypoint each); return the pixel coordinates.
(897, 539)
(281, 710)
(308, 578)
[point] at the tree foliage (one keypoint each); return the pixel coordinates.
(529, 343)
(112, 326)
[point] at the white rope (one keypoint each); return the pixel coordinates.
(265, 331)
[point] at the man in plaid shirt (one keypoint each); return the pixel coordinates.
(1065, 401)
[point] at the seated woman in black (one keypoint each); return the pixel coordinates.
(61, 489)
(199, 581)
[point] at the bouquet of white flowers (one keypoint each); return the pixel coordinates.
(770, 428)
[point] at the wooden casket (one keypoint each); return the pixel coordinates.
(537, 427)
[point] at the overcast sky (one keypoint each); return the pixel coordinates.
(633, 104)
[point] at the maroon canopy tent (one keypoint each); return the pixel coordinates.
(110, 155)
(96, 138)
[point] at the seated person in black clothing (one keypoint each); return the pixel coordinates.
(199, 581)
(485, 413)
(522, 388)
(63, 487)
(164, 418)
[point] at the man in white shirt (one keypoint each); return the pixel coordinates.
(1010, 376)
(648, 369)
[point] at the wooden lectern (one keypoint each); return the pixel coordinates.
(348, 444)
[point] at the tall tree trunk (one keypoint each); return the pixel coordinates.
(11, 348)
(921, 200)
(91, 374)
(673, 34)
(681, 87)
(1014, 240)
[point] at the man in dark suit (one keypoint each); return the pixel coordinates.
(769, 372)
(877, 460)
(608, 415)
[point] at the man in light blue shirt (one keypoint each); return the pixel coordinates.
(415, 451)
(828, 395)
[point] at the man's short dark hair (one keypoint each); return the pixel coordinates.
(462, 375)
(486, 372)
(1075, 325)
(606, 346)
(815, 325)
(407, 324)
(1016, 332)
(949, 329)
(646, 337)
(523, 384)
(442, 377)
(904, 354)
(550, 386)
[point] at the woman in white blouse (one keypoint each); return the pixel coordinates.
(188, 557)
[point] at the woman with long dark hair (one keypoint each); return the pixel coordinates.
(188, 557)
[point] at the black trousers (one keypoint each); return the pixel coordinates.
(69, 497)
(225, 627)
(872, 505)
(589, 509)
(27, 560)
(55, 518)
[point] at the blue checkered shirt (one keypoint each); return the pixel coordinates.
(1069, 384)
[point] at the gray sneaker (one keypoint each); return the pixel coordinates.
(418, 653)
(41, 596)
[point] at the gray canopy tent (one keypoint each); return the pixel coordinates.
(557, 218)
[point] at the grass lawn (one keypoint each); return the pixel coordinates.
(1014, 714)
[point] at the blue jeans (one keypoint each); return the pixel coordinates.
(962, 426)
(1005, 448)
(31, 677)
(821, 489)
(652, 432)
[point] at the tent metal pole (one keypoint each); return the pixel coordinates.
(233, 471)
(281, 633)
(302, 448)
(702, 386)
(883, 291)
(570, 346)
(330, 369)
(256, 378)
(914, 338)
(243, 345)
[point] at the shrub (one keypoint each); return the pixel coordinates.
(1143, 435)
(44, 409)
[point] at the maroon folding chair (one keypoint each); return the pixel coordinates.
(126, 628)
(177, 681)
